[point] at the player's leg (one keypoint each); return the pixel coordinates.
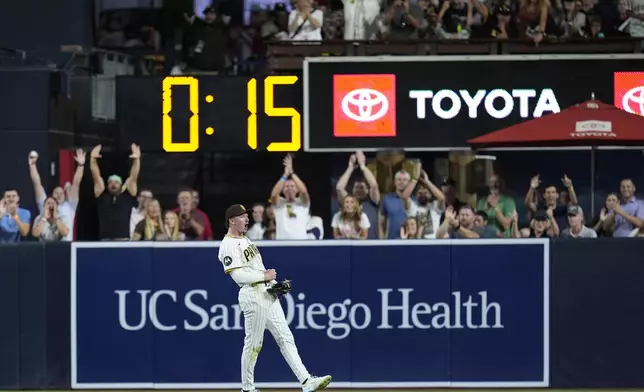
(277, 325)
(254, 326)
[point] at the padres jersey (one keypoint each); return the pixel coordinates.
(239, 252)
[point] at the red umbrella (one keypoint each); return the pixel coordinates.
(591, 123)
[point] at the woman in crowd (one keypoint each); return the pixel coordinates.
(258, 227)
(152, 225)
(604, 223)
(410, 229)
(171, 228)
(350, 222)
(50, 226)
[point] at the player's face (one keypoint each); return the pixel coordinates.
(240, 223)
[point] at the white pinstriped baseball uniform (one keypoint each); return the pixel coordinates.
(261, 310)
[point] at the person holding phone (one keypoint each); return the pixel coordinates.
(50, 226)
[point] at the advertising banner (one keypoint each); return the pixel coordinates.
(386, 314)
(440, 102)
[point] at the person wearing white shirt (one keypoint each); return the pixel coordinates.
(138, 212)
(258, 228)
(305, 23)
(67, 198)
(291, 211)
(350, 222)
(427, 211)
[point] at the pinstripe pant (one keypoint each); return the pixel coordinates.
(262, 311)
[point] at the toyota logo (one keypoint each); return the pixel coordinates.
(633, 101)
(365, 105)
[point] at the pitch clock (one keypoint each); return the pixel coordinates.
(211, 113)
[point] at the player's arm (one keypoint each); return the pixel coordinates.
(230, 256)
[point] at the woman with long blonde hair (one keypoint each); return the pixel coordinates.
(350, 222)
(171, 227)
(151, 226)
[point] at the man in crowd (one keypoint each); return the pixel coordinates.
(629, 212)
(551, 199)
(138, 212)
(392, 210)
(15, 222)
(577, 228)
(207, 228)
(429, 204)
(291, 211)
(67, 203)
(498, 206)
(191, 220)
(116, 201)
(462, 225)
(365, 190)
(448, 187)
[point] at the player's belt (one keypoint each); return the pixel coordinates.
(258, 283)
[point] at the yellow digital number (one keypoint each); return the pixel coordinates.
(193, 85)
(269, 101)
(251, 101)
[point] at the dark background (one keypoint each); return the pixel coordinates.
(573, 81)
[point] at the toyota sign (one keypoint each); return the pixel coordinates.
(438, 103)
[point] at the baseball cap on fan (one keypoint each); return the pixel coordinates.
(364, 105)
(629, 92)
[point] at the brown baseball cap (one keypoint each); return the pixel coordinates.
(235, 210)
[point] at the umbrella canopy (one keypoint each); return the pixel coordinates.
(591, 123)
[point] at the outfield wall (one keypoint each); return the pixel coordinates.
(498, 313)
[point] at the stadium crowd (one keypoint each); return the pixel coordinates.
(405, 205)
(214, 44)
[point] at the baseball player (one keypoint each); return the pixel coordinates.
(259, 300)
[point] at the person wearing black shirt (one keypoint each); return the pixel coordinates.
(210, 41)
(501, 25)
(448, 187)
(116, 201)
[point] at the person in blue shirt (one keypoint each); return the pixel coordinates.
(15, 222)
(394, 205)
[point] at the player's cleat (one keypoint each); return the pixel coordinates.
(316, 383)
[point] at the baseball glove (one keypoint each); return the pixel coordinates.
(280, 288)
